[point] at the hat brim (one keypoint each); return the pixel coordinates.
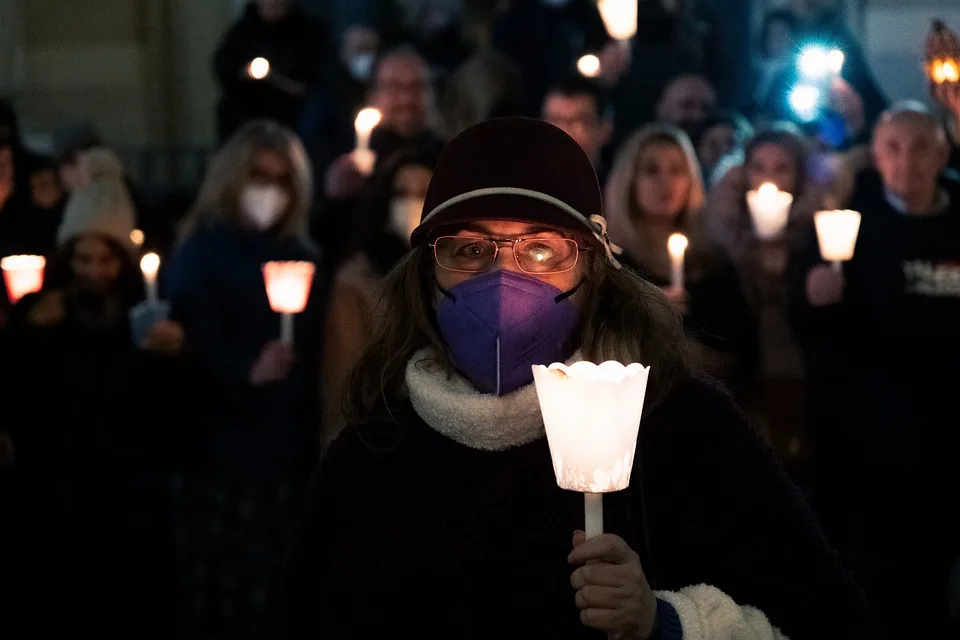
(508, 208)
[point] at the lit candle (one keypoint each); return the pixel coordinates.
(837, 235)
(288, 290)
(591, 414)
(589, 66)
(677, 247)
(136, 237)
(620, 19)
(769, 210)
(367, 120)
(942, 55)
(150, 265)
(23, 275)
(259, 68)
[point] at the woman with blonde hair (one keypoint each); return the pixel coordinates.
(256, 431)
(655, 190)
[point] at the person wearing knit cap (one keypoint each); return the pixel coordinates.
(437, 513)
(86, 424)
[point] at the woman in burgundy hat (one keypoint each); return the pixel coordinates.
(437, 513)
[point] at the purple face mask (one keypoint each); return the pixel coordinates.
(501, 323)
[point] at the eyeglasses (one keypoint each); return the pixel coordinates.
(466, 254)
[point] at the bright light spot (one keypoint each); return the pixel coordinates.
(805, 101)
(768, 189)
(589, 66)
(150, 264)
(835, 61)
(136, 237)
(677, 244)
(259, 68)
(944, 71)
(367, 120)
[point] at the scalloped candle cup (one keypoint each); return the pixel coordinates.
(837, 233)
(288, 285)
(592, 418)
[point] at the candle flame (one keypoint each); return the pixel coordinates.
(589, 66)
(619, 17)
(677, 245)
(23, 263)
(136, 237)
(259, 68)
(768, 189)
(150, 264)
(367, 120)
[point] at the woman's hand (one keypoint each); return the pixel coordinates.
(164, 337)
(49, 310)
(824, 286)
(613, 594)
(274, 363)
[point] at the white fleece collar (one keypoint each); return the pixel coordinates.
(452, 406)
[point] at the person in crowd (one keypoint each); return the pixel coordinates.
(69, 144)
(654, 191)
(435, 28)
(722, 134)
(776, 52)
(388, 215)
(777, 154)
(295, 45)
(881, 334)
(94, 410)
(403, 94)
(546, 38)
(507, 271)
(255, 430)
(579, 106)
(688, 101)
(488, 85)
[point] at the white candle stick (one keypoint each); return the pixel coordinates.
(837, 233)
(769, 210)
(593, 515)
(150, 265)
(286, 328)
(592, 418)
(367, 120)
(22, 275)
(677, 247)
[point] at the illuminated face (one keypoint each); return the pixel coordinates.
(770, 162)
(663, 182)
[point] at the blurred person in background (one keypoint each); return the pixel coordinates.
(687, 101)
(721, 135)
(297, 48)
(777, 154)
(776, 53)
(488, 85)
(387, 215)
(437, 29)
(404, 96)
(579, 106)
(69, 144)
(655, 190)
(882, 349)
(256, 426)
(91, 423)
(546, 38)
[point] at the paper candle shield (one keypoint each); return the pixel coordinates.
(23, 275)
(619, 17)
(592, 418)
(769, 210)
(288, 285)
(942, 57)
(837, 234)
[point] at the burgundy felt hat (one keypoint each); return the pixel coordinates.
(518, 170)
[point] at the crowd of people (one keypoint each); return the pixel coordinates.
(180, 469)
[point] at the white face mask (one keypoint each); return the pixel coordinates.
(263, 204)
(361, 66)
(405, 215)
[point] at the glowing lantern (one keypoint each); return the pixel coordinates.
(837, 234)
(23, 275)
(288, 289)
(942, 58)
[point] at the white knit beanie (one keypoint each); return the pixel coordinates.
(104, 206)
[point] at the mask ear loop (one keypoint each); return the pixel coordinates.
(563, 296)
(445, 293)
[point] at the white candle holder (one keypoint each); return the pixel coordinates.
(592, 418)
(288, 290)
(23, 275)
(769, 210)
(837, 233)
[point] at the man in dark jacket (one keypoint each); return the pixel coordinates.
(295, 47)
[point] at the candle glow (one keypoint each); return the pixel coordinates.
(769, 210)
(23, 275)
(589, 66)
(619, 17)
(677, 247)
(150, 265)
(837, 234)
(259, 68)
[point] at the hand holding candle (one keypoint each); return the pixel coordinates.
(592, 418)
(23, 275)
(837, 234)
(288, 290)
(677, 247)
(367, 120)
(150, 265)
(769, 210)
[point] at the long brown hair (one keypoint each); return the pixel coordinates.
(625, 318)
